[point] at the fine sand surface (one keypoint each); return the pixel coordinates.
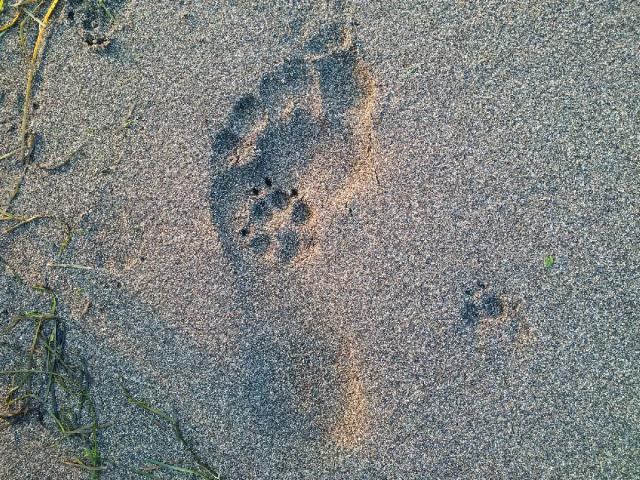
(316, 234)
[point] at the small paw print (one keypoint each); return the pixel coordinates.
(493, 317)
(480, 303)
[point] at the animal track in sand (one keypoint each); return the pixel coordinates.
(93, 20)
(294, 150)
(307, 386)
(288, 157)
(493, 317)
(273, 210)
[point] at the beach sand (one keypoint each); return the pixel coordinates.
(316, 234)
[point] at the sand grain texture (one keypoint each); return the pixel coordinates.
(317, 233)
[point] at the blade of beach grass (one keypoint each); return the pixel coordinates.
(11, 153)
(205, 468)
(11, 23)
(26, 221)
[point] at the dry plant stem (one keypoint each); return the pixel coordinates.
(78, 464)
(65, 161)
(69, 265)
(11, 22)
(16, 187)
(24, 222)
(24, 130)
(9, 154)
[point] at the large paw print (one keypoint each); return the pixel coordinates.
(289, 151)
